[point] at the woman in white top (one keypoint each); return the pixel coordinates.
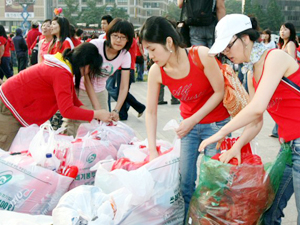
(114, 51)
(266, 39)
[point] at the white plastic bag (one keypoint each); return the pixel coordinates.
(117, 133)
(28, 188)
(154, 187)
(85, 153)
(84, 205)
(23, 138)
(13, 218)
(49, 141)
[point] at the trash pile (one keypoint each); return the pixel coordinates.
(102, 176)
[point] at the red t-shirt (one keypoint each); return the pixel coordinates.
(31, 36)
(284, 107)
(12, 46)
(138, 52)
(193, 91)
(66, 44)
(132, 52)
(7, 45)
(76, 41)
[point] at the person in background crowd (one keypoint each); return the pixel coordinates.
(105, 21)
(44, 43)
(35, 94)
(13, 51)
(266, 39)
(75, 40)
(60, 29)
(79, 34)
(287, 42)
(130, 99)
(32, 34)
(21, 50)
(236, 38)
(200, 92)
(5, 60)
(204, 35)
(140, 60)
(114, 51)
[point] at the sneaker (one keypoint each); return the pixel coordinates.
(162, 102)
(273, 135)
(141, 113)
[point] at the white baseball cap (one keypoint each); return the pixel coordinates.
(226, 28)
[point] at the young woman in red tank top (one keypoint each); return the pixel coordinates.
(236, 38)
(287, 42)
(200, 94)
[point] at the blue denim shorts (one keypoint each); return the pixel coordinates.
(189, 155)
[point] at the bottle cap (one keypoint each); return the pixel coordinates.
(48, 155)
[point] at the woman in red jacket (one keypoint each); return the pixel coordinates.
(35, 94)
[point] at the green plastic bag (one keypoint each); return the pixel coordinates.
(230, 194)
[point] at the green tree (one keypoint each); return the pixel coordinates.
(118, 12)
(248, 7)
(275, 16)
(173, 12)
(260, 14)
(93, 14)
(233, 6)
(71, 12)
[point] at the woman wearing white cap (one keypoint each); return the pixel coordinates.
(200, 92)
(236, 38)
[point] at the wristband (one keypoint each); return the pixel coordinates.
(116, 111)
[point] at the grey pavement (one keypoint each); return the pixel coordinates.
(268, 147)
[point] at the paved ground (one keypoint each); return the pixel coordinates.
(268, 147)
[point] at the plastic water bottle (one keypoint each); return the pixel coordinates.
(49, 162)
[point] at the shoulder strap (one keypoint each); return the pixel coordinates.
(195, 57)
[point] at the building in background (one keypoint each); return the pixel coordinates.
(138, 10)
(290, 10)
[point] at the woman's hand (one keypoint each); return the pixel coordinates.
(212, 139)
(185, 127)
(153, 154)
(234, 152)
(103, 115)
(115, 116)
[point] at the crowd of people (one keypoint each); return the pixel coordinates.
(79, 79)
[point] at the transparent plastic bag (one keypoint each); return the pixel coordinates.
(231, 194)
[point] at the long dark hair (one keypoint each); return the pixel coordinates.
(292, 36)
(82, 55)
(64, 32)
(120, 26)
(2, 31)
(156, 29)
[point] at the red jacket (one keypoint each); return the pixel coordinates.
(31, 37)
(35, 94)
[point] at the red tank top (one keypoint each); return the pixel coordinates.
(193, 91)
(284, 107)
